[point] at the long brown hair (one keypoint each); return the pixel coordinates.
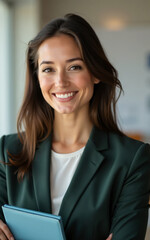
(36, 116)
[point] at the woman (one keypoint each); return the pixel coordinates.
(72, 159)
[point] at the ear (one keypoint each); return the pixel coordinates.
(96, 80)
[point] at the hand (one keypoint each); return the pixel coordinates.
(5, 233)
(110, 237)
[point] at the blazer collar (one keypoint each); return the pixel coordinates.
(41, 175)
(91, 160)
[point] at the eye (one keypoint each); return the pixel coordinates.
(75, 68)
(48, 69)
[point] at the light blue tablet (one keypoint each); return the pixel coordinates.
(33, 225)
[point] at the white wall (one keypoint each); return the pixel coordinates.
(5, 68)
(128, 51)
(26, 22)
(19, 22)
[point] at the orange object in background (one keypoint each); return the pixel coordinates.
(136, 136)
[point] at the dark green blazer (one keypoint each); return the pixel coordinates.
(109, 191)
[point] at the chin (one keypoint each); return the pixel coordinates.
(65, 111)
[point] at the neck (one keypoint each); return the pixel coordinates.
(71, 130)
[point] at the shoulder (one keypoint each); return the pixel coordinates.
(125, 142)
(10, 143)
(115, 141)
(128, 150)
(119, 147)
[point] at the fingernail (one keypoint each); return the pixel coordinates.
(12, 238)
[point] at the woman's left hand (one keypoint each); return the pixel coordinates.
(110, 237)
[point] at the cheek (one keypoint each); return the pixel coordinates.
(87, 85)
(84, 81)
(44, 84)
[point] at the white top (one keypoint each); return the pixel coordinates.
(63, 167)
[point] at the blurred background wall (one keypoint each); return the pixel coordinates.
(19, 22)
(124, 30)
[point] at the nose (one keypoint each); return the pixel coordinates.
(61, 79)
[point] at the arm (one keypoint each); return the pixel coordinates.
(131, 213)
(3, 185)
(4, 231)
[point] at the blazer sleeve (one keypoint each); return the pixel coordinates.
(131, 213)
(3, 185)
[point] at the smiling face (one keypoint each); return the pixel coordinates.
(65, 81)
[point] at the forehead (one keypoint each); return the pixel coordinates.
(61, 45)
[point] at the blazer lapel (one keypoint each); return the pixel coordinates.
(90, 162)
(41, 176)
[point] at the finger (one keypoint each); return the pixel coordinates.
(110, 237)
(2, 236)
(5, 231)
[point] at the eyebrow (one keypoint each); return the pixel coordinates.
(69, 60)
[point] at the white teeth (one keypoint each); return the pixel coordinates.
(66, 95)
